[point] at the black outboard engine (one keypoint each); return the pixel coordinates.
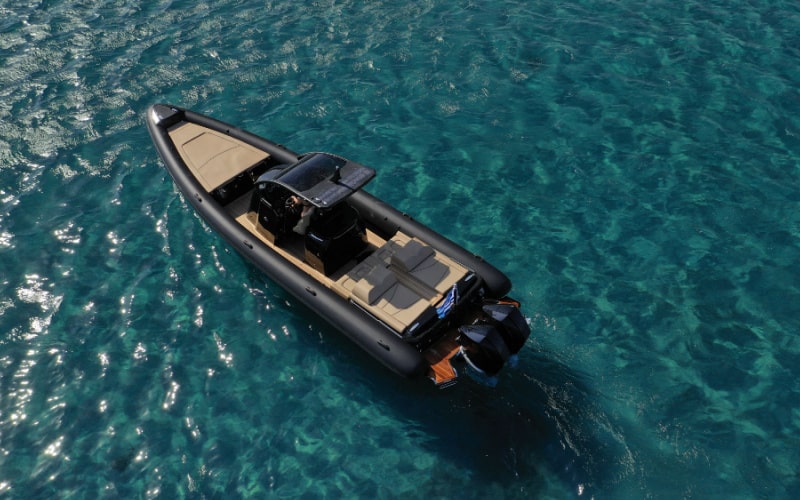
(494, 338)
(510, 323)
(483, 348)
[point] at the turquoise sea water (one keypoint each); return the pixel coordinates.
(633, 166)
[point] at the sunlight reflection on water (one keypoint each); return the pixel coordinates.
(636, 178)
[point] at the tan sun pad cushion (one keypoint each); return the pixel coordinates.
(213, 157)
(380, 292)
(424, 264)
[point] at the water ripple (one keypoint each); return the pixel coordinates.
(633, 169)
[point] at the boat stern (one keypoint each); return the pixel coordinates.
(486, 344)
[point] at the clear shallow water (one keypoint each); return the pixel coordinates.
(634, 169)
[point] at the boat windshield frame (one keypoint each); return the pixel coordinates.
(323, 179)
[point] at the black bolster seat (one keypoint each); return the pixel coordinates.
(268, 202)
(334, 237)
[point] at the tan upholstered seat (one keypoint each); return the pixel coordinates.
(373, 285)
(392, 302)
(425, 264)
(400, 281)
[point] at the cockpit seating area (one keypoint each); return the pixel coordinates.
(269, 205)
(268, 202)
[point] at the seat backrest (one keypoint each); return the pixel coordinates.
(270, 219)
(372, 286)
(410, 255)
(335, 222)
(269, 202)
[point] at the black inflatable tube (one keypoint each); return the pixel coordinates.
(377, 339)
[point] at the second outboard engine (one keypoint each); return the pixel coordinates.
(499, 334)
(510, 323)
(484, 348)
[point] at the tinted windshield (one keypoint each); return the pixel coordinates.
(323, 179)
(312, 171)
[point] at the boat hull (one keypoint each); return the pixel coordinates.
(362, 328)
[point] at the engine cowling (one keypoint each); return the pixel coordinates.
(511, 324)
(497, 335)
(484, 348)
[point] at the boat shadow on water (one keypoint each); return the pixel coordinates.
(539, 423)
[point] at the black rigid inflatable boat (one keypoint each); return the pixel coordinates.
(414, 300)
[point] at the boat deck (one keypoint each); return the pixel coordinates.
(400, 281)
(292, 248)
(213, 157)
(345, 282)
